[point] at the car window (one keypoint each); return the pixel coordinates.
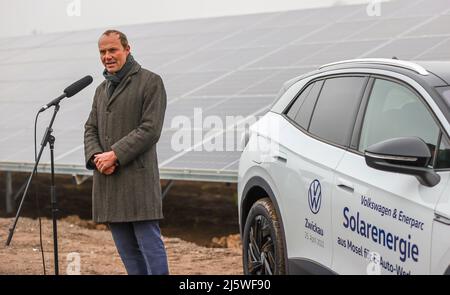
(336, 108)
(303, 117)
(394, 111)
(443, 156)
(293, 110)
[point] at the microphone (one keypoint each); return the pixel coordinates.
(70, 91)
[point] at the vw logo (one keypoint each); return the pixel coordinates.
(315, 196)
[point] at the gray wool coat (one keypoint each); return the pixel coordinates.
(129, 123)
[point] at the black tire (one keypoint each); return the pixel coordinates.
(263, 241)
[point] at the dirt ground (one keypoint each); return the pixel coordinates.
(200, 230)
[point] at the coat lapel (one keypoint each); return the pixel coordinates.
(123, 84)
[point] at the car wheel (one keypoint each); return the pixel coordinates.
(263, 241)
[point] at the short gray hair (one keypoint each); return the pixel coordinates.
(122, 37)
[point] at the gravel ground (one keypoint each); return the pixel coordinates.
(98, 254)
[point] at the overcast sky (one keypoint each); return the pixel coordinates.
(24, 17)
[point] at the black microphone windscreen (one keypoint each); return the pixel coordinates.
(78, 86)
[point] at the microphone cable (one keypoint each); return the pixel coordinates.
(37, 196)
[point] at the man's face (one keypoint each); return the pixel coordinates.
(112, 53)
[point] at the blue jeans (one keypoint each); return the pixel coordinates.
(140, 246)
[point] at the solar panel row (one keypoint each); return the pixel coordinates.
(227, 66)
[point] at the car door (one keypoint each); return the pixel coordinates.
(316, 131)
(383, 220)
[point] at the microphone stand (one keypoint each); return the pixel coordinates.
(48, 138)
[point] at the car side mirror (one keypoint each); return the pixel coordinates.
(405, 155)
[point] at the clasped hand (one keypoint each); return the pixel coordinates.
(106, 162)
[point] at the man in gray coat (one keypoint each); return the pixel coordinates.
(120, 146)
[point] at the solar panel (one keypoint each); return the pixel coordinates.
(288, 56)
(214, 69)
(337, 32)
(437, 26)
(441, 51)
(241, 39)
(407, 48)
(385, 29)
(276, 37)
(232, 60)
(214, 160)
(89, 37)
(270, 86)
(157, 60)
(28, 41)
(341, 51)
(233, 83)
(194, 61)
(187, 83)
(425, 8)
(387, 10)
(54, 53)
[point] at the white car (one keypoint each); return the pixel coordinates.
(348, 173)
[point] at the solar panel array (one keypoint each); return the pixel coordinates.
(227, 66)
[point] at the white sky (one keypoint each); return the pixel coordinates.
(24, 17)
